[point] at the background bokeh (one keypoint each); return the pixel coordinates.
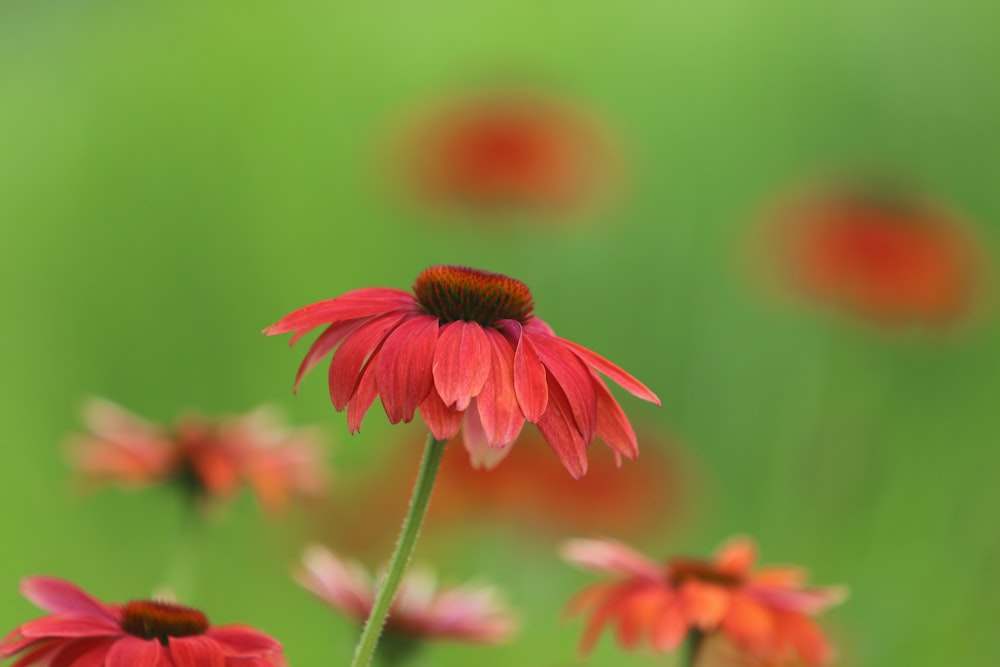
(176, 176)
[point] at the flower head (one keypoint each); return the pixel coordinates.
(466, 350)
(882, 256)
(420, 610)
(508, 150)
(764, 612)
(212, 457)
(83, 631)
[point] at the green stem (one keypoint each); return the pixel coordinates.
(694, 641)
(401, 556)
(181, 569)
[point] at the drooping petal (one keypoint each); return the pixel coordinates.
(737, 556)
(364, 395)
(530, 384)
(36, 656)
(461, 363)
(354, 351)
(803, 635)
(748, 623)
(70, 624)
(481, 454)
(670, 627)
(613, 427)
(87, 651)
(365, 302)
(197, 651)
(403, 367)
(805, 601)
(559, 430)
(134, 652)
(443, 422)
(611, 556)
(59, 596)
(705, 604)
(499, 411)
(636, 618)
(574, 378)
(240, 641)
(323, 345)
(629, 383)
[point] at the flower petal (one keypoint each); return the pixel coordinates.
(239, 641)
(36, 656)
(574, 378)
(88, 652)
(481, 454)
(748, 623)
(365, 302)
(804, 636)
(559, 430)
(59, 596)
(350, 357)
(613, 427)
(196, 651)
(461, 363)
(530, 385)
(670, 627)
(322, 346)
(806, 601)
(736, 556)
(134, 652)
(629, 383)
(443, 422)
(403, 367)
(363, 397)
(613, 557)
(70, 624)
(499, 411)
(705, 604)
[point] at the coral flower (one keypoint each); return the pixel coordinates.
(466, 351)
(884, 257)
(501, 151)
(419, 611)
(211, 457)
(82, 631)
(765, 612)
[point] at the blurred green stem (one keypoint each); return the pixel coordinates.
(183, 564)
(692, 646)
(401, 557)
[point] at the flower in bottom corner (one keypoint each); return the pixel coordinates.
(420, 611)
(764, 613)
(84, 632)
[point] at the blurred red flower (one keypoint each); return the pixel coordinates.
(83, 631)
(420, 609)
(884, 257)
(508, 151)
(466, 350)
(765, 612)
(210, 457)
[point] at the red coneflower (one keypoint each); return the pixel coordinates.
(420, 609)
(503, 151)
(84, 632)
(883, 256)
(211, 457)
(466, 351)
(764, 613)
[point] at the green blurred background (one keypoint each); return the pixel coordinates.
(175, 176)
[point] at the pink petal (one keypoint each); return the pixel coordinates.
(364, 396)
(96, 654)
(574, 378)
(403, 368)
(71, 624)
(481, 454)
(637, 616)
(37, 655)
(365, 302)
(737, 556)
(134, 652)
(801, 633)
(198, 651)
(461, 363)
(59, 596)
(613, 557)
(443, 422)
(530, 385)
(808, 601)
(780, 576)
(323, 345)
(352, 354)
(536, 325)
(613, 427)
(499, 411)
(559, 430)
(82, 652)
(243, 642)
(670, 628)
(629, 383)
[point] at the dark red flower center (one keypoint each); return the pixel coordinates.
(685, 569)
(459, 293)
(151, 619)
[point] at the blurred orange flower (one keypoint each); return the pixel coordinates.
(211, 458)
(764, 613)
(885, 257)
(508, 150)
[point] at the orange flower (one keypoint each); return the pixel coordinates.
(884, 257)
(764, 612)
(508, 151)
(209, 457)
